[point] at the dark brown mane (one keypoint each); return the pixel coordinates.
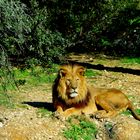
(80, 104)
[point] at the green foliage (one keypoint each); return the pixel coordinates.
(26, 34)
(5, 100)
(91, 73)
(85, 130)
(138, 111)
(15, 24)
(7, 78)
(127, 112)
(6, 73)
(44, 30)
(136, 20)
(34, 76)
(106, 29)
(128, 60)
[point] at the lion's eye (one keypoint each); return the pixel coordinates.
(68, 79)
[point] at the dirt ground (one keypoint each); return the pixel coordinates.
(25, 123)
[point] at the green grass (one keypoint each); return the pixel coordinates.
(138, 111)
(131, 60)
(91, 73)
(127, 112)
(15, 78)
(84, 130)
(5, 100)
(34, 76)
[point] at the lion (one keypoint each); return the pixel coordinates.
(73, 96)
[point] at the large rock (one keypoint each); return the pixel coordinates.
(119, 128)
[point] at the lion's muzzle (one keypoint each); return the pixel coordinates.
(73, 93)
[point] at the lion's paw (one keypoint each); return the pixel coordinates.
(59, 116)
(99, 117)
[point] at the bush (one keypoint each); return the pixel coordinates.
(26, 34)
(44, 30)
(16, 24)
(26, 39)
(101, 26)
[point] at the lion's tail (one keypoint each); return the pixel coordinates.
(135, 115)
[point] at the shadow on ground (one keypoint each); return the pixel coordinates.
(102, 67)
(48, 106)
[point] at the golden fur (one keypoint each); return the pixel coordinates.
(72, 96)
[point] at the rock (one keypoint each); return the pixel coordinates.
(127, 128)
(119, 128)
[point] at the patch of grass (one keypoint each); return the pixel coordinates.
(6, 100)
(11, 80)
(131, 60)
(91, 73)
(131, 96)
(83, 129)
(128, 112)
(138, 111)
(35, 76)
(42, 112)
(6, 79)
(24, 106)
(3, 99)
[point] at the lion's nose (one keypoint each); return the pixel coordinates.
(74, 87)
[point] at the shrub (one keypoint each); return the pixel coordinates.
(26, 34)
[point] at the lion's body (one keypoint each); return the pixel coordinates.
(72, 95)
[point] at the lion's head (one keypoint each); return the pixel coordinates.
(70, 84)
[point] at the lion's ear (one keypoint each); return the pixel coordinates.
(62, 72)
(81, 70)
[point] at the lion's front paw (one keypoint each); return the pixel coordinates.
(99, 115)
(56, 114)
(59, 115)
